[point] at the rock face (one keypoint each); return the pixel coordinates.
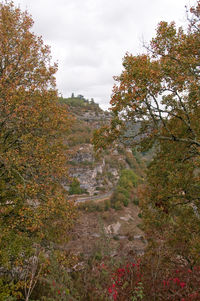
(88, 176)
(95, 175)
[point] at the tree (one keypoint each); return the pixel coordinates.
(34, 209)
(155, 102)
(161, 85)
(125, 187)
(75, 187)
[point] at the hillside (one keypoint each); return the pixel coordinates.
(91, 174)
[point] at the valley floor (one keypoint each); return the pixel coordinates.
(117, 230)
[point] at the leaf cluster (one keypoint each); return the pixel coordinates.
(34, 210)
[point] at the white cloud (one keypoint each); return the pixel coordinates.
(89, 38)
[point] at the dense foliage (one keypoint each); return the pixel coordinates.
(159, 91)
(75, 187)
(125, 189)
(81, 103)
(34, 211)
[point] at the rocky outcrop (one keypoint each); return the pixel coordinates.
(95, 175)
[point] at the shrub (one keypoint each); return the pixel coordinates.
(125, 188)
(75, 187)
(135, 281)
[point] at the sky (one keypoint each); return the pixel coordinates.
(89, 38)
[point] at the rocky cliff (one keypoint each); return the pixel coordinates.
(95, 175)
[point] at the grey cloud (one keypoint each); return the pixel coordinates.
(89, 38)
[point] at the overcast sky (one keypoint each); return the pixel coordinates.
(89, 38)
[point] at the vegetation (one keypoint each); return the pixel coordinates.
(159, 91)
(75, 187)
(35, 213)
(92, 206)
(81, 131)
(83, 157)
(125, 190)
(155, 106)
(80, 102)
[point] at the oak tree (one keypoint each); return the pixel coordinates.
(156, 102)
(33, 125)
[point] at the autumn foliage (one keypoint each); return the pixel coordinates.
(34, 210)
(158, 91)
(133, 281)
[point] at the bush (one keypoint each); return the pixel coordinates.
(107, 205)
(136, 201)
(75, 188)
(117, 205)
(125, 188)
(134, 281)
